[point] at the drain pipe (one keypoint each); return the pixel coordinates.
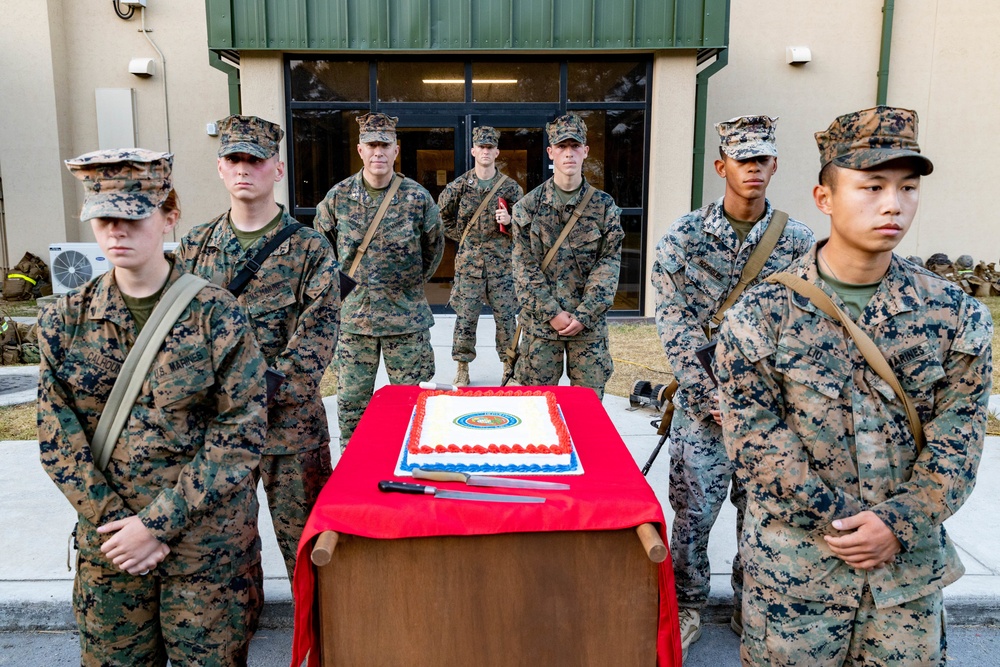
(700, 122)
(233, 78)
(884, 50)
(163, 69)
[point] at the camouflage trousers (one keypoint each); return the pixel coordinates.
(700, 473)
(205, 619)
(783, 631)
(292, 483)
(409, 359)
(470, 292)
(588, 362)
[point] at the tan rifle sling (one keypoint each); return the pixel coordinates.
(482, 207)
(549, 256)
(133, 372)
(753, 267)
(871, 353)
(379, 214)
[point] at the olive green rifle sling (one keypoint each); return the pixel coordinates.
(868, 348)
(133, 372)
(549, 256)
(755, 264)
(482, 207)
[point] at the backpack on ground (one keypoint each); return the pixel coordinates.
(30, 279)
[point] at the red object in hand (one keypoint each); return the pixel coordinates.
(502, 203)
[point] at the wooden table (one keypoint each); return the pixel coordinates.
(398, 579)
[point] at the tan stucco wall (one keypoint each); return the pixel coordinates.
(262, 93)
(34, 130)
(671, 132)
(943, 58)
(53, 56)
(51, 67)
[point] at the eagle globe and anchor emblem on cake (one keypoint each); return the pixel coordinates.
(487, 420)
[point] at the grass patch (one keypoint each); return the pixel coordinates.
(20, 308)
(638, 355)
(19, 422)
(993, 303)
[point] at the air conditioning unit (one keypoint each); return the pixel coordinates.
(73, 264)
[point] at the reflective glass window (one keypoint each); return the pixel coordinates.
(606, 81)
(515, 82)
(325, 152)
(400, 81)
(615, 162)
(630, 279)
(329, 81)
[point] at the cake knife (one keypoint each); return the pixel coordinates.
(403, 487)
(483, 480)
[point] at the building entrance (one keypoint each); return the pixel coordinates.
(440, 102)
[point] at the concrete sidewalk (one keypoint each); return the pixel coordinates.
(36, 520)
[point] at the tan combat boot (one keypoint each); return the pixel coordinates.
(690, 623)
(462, 375)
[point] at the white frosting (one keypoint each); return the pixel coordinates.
(442, 414)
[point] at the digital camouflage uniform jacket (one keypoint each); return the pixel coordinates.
(583, 277)
(184, 460)
(293, 305)
(698, 263)
(818, 436)
(404, 253)
(485, 246)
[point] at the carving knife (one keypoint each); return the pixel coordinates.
(483, 480)
(404, 487)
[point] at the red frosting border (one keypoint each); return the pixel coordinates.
(562, 446)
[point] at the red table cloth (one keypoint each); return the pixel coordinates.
(612, 494)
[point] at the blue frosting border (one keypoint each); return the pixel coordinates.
(405, 465)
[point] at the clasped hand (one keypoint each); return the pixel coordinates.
(565, 324)
(132, 547)
(870, 545)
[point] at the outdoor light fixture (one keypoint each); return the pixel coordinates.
(797, 55)
(473, 81)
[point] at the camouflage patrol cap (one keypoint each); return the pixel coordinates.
(565, 128)
(377, 127)
(865, 139)
(124, 183)
(249, 134)
(484, 135)
(745, 137)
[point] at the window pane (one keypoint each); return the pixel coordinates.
(606, 81)
(615, 162)
(325, 152)
(329, 81)
(630, 280)
(421, 82)
(515, 82)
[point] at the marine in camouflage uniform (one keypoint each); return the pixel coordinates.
(293, 305)
(184, 461)
(482, 263)
(387, 312)
(564, 307)
(844, 527)
(698, 264)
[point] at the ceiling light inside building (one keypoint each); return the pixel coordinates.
(473, 81)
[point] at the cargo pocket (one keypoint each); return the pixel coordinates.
(273, 315)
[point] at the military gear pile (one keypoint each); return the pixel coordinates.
(30, 279)
(980, 280)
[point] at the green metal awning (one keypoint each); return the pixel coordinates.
(465, 25)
